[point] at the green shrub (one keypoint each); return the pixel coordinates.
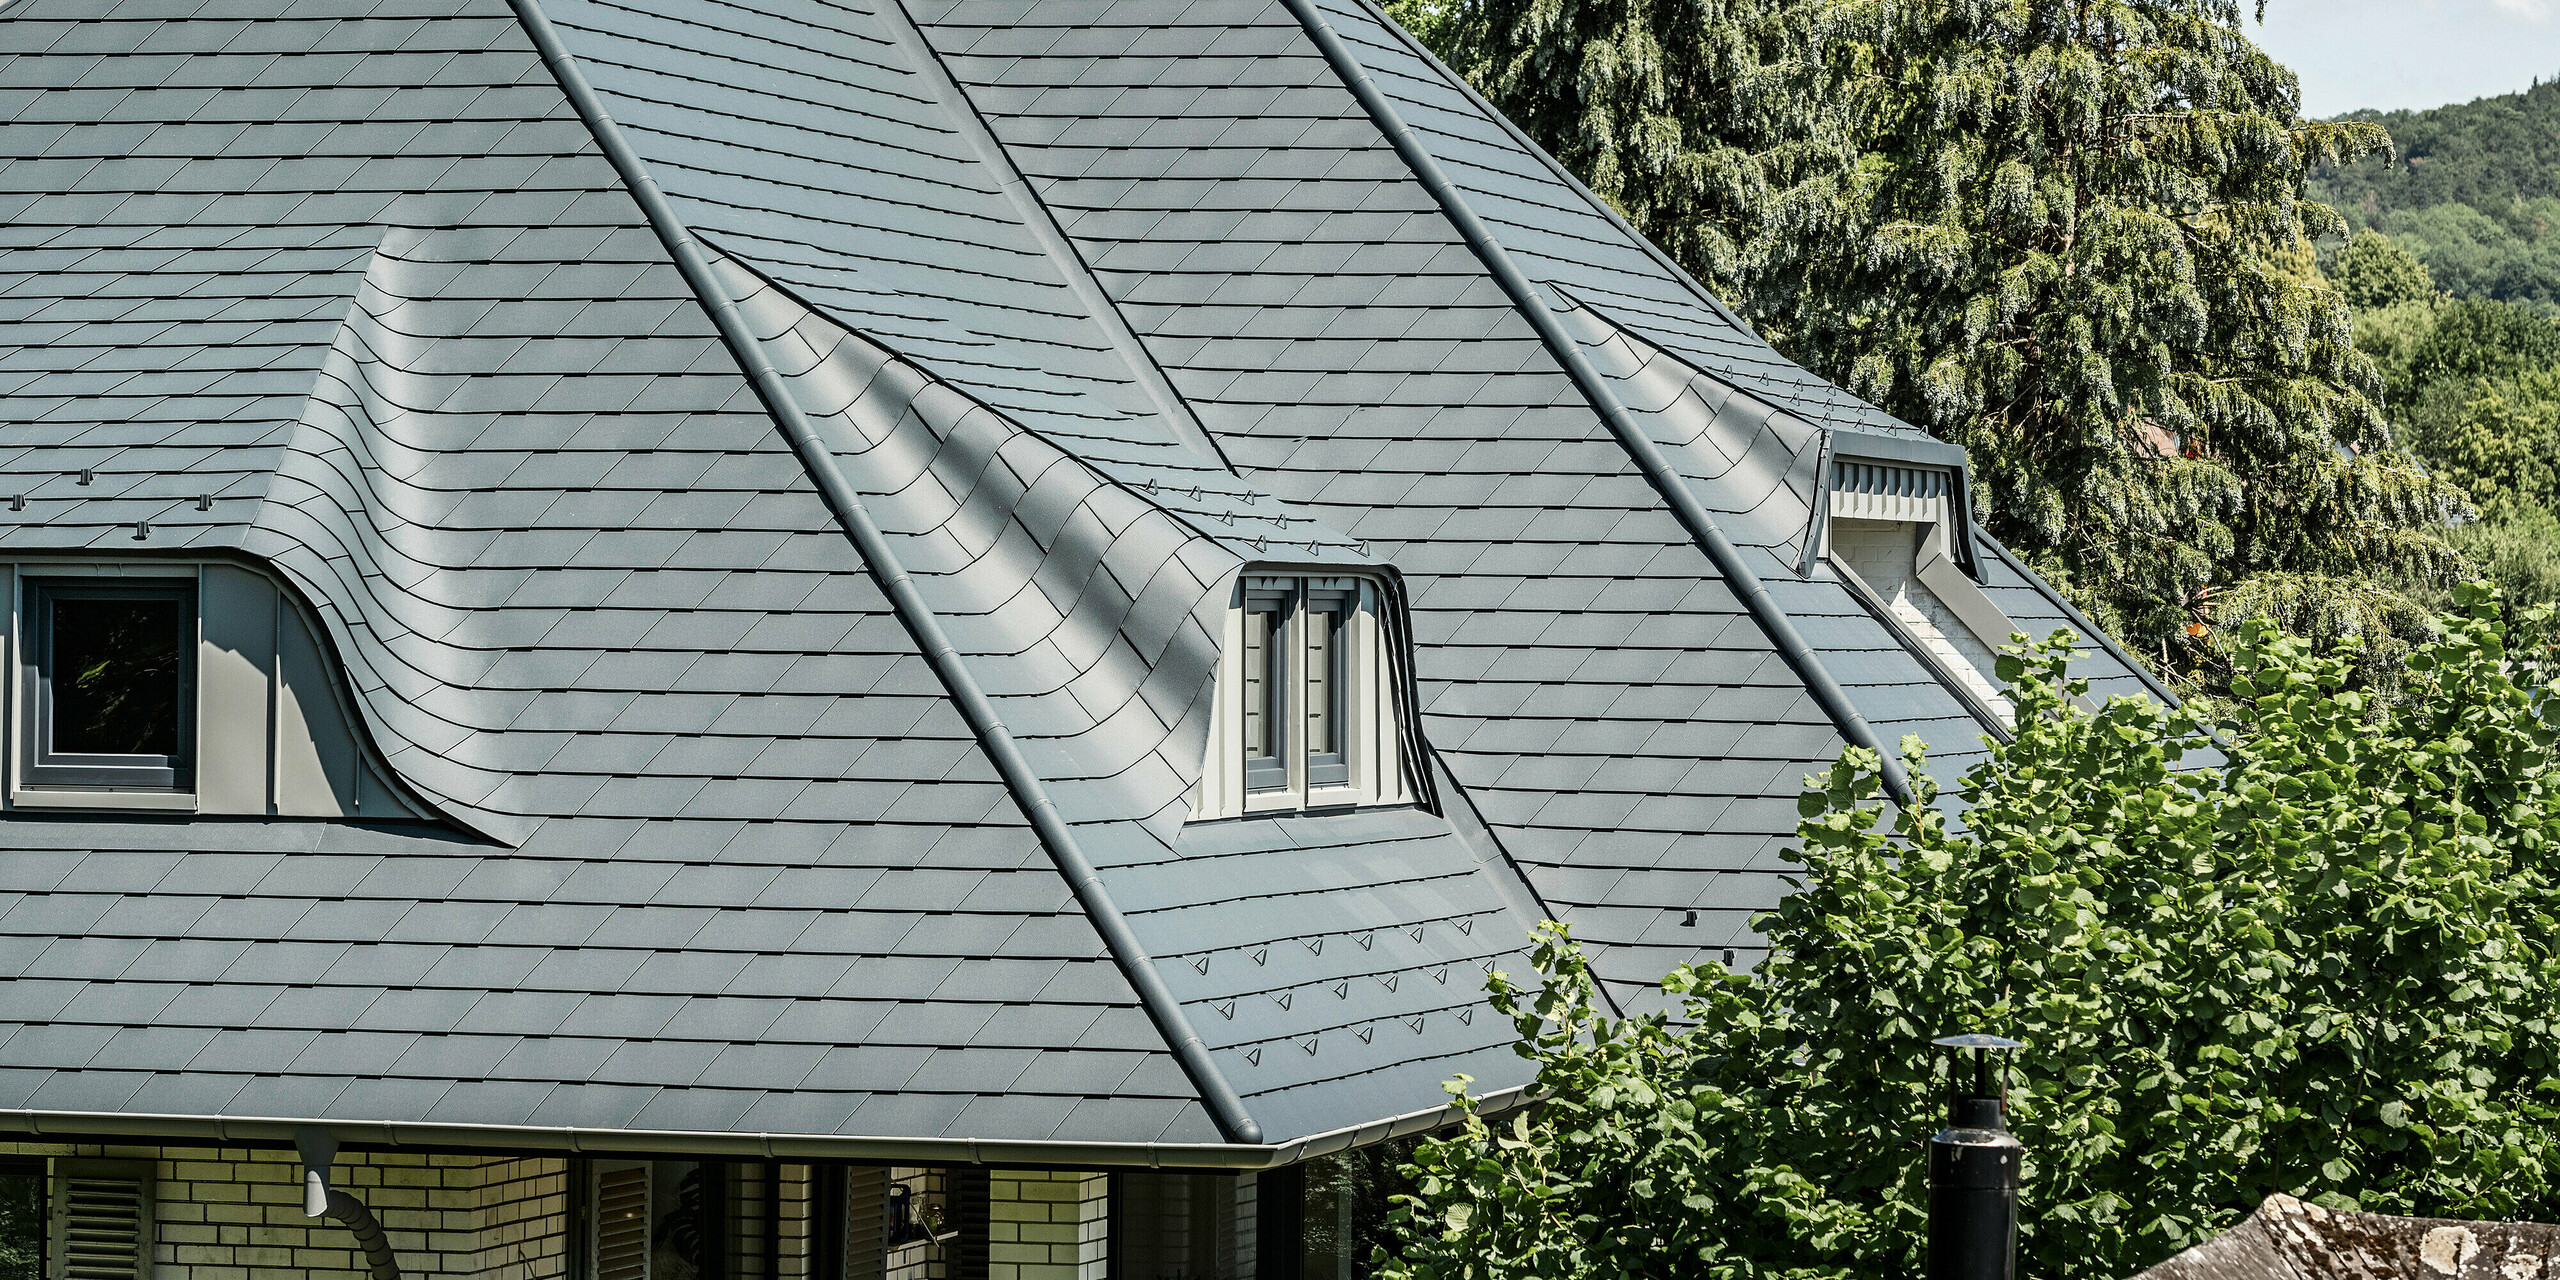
(2519, 550)
(2374, 271)
(2321, 964)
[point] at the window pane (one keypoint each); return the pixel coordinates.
(119, 675)
(1323, 644)
(21, 1224)
(1329, 725)
(1266, 695)
(1345, 1219)
(1257, 656)
(690, 1238)
(1173, 1226)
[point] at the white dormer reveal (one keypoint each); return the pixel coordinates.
(1305, 716)
(1898, 531)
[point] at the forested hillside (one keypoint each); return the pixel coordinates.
(2473, 190)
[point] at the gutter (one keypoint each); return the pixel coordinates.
(1224, 1106)
(1631, 434)
(67, 1126)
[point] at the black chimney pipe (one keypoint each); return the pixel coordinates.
(1973, 1174)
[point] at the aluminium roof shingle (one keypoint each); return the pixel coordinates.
(1094, 305)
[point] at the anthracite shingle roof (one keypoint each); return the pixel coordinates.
(1095, 302)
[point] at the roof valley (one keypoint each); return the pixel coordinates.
(1044, 228)
(1631, 435)
(876, 552)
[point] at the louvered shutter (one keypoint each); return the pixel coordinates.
(622, 1222)
(866, 1223)
(101, 1220)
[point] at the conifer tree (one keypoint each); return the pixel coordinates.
(2069, 236)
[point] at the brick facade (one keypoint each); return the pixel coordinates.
(236, 1214)
(1048, 1225)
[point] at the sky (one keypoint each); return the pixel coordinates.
(2389, 54)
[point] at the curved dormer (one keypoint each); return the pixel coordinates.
(178, 686)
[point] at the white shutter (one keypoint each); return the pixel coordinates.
(622, 1221)
(101, 1220)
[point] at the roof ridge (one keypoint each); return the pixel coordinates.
(1044, 228)
(1631, 435)
(1221, 1099)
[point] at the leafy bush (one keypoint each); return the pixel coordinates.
(2518, 550)
(2374, 271)
(2323, 964)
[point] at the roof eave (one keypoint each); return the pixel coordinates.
(124, 1127)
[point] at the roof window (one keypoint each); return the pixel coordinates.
(1305, 714)
(1898, 534)
(110, 682)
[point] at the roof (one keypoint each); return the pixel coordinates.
(2290, 1239)
(557, 388)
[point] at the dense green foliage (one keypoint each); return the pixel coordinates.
(2475, 389)
(2374, 271)
(2473, 188)
(2324, 966)
(2069, 237)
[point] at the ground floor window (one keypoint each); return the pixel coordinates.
(1325, 1219)
(687, 1220)
(1179, 1226)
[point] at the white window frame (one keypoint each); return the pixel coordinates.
(1371, 765)
(1942, 528)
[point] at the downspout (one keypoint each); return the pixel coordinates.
(1667, 481)
(1220, 1098)
(319, 1150)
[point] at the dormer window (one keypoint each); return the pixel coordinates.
(1898, 533)
(172, 686)
(1305, 716)
(111, 682)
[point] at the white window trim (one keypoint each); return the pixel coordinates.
(1935, 569)
(1371, 743)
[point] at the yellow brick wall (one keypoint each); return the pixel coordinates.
(1047, 1225)
(236, 1213)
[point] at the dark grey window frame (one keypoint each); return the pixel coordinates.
(1271, 772)
(40, 767)
(1333, 768)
